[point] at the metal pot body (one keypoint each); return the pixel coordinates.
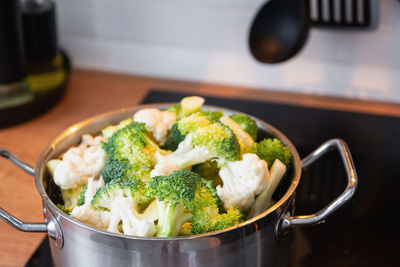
(260, 241)
(85, 247)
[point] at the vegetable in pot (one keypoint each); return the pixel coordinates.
(166, 173)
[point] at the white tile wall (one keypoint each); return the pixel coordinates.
(206, 40)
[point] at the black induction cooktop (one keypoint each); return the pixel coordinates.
(366, 232)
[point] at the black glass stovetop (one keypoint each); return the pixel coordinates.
(366, 232)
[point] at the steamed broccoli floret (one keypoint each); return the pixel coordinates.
(174, 195)
(128, 143)
(213, 115)
(192, 123)
(184, 126)
(117, 169)
(130, 154)
(206, 210)
(219, 139)
(110, 130)
(189, 124)
(81, 199)
(208, 170)
(105, 195)
(186, 196)
(272, 149)
(247, 124)
(174, 138)
(125, 199)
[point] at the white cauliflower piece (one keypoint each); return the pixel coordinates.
(80, 162)
(122, 209)
(242, 181)
(184, 156)
(158, 122)
(86, 213)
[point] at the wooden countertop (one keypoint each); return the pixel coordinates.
(90, 93)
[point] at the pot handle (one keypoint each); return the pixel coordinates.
(7, 217)
(288, 222)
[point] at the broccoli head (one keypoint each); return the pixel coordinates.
(136, 190)
(130, 154)
(128, 143)
(206, 210)
(247, 124)
(174, 194)
(272, 149)
(185, 197)
(110, 130)
(192, 122)
(219, 139)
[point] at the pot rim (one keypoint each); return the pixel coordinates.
(40, 170)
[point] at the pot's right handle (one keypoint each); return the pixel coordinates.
(319, 217)
(51, 226)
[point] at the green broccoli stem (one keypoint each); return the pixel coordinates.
(263, 200)
(171, 218)
(154, 145)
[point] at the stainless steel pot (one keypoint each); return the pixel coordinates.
(260, 241)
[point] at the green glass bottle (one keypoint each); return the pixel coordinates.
(45, 63)
(14, 88)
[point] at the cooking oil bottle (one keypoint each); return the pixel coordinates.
(44, 61)
(33, 71)
(14, 88)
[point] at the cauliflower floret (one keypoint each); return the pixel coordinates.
(122, 209)
(80, 162)
(242, 181)
(86, 213)
(184, 156)
(157, 121)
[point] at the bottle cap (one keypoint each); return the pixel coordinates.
(12, 61)
(39, 28)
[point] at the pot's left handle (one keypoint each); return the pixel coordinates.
(49, 227)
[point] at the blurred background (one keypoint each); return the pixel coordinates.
(205, 40)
